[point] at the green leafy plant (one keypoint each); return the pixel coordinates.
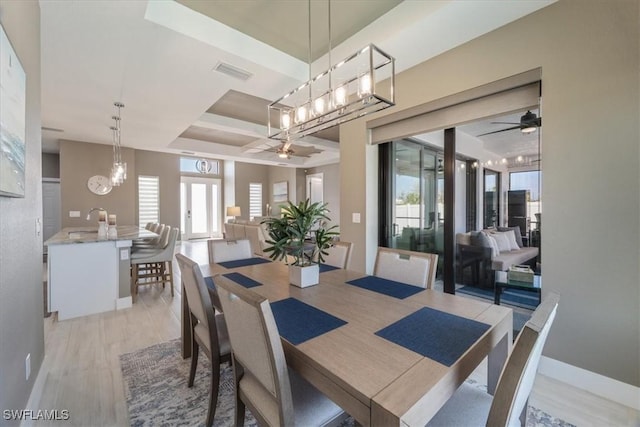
(300, 233)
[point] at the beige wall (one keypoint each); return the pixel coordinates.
(167, 168)
(247, 173)
(78, 162)
(81, 160)
(21, 305)
(589, 54)
(331, 191)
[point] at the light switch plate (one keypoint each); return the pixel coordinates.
(124, 254)
(355, 218)
(74, 214)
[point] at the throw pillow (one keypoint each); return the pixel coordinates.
(480, 238)
(502, 241)
(516, 233)
(495, 250)
(511, 236)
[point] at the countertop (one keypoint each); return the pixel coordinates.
(71, 235)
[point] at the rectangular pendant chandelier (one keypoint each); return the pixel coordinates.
(361, 84)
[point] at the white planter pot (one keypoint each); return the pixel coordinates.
(304, 276)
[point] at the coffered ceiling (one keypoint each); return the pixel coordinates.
(160, 58)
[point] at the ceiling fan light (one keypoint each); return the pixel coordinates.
(528, 129)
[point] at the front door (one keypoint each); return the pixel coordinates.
(200, 200)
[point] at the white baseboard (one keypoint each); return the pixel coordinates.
(609, 388)
(125, 302)
(38, 388)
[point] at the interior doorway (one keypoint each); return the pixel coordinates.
(200, 207)
(315, 187)
(51, 208)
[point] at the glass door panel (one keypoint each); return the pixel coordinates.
(200, 205)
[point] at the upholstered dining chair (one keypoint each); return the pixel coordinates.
(154, 265)
(338, 255)
(509, 404)
(274, 394)
(208, 329)
(413, 268)
(229, 250)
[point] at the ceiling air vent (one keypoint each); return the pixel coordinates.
(232, 71)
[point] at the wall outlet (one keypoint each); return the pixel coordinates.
(74, 214)
(27, 366)
(124, 254)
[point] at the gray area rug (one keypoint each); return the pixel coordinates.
(155, 382)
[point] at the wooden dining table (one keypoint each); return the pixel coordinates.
(377, 381)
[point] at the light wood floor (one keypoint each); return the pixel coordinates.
(81, 371)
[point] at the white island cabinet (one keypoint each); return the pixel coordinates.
(88, 274)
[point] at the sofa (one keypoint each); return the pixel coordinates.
(486, 251)
(254, 231)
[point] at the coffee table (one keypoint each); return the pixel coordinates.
(502, 283)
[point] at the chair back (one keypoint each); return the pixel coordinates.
(228, 250)
(256, 347)
(252, 233)
(519, 372)
(338, 255)
(238, 231)
(413, 268)
(228, 231)
(198, 298)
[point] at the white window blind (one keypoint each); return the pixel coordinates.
(148, 199)
(255, 199)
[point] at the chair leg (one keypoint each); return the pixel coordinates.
(134, 283)
(240, 407)
(213, 393)
(194, 359)
(171, 275)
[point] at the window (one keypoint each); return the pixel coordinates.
(529, 180)
(148, 199)
(199, 166)
(255, 200)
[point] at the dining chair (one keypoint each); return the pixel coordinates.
(338, 255)
(151, 242)
(228, 250)
(509, 405)
(208, 329)
(154, 266)
(253, 234)
(413, 268)
(274, 394)
(228, 231)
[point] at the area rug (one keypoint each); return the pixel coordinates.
(155, 382)
(514, 297)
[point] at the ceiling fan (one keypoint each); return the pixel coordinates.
(529, 123)
(285, 151)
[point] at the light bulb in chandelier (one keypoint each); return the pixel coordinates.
(364, 85)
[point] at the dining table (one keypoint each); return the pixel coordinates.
(388, 353)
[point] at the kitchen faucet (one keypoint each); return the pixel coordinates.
(94, 209)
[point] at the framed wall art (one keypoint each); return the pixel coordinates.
(280, 192)
(13, 120)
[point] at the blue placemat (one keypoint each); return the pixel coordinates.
(243, 262)
(240, 279)
(298, 322)
(385, 286)
(243, 280)
(327, 267)
(437, 335)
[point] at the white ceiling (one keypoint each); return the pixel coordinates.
(158, 57)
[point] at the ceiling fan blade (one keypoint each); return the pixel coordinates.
(505, 123)
(501, 130)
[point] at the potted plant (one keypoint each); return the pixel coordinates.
(299, 237)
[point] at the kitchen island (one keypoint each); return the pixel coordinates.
(88, 273)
